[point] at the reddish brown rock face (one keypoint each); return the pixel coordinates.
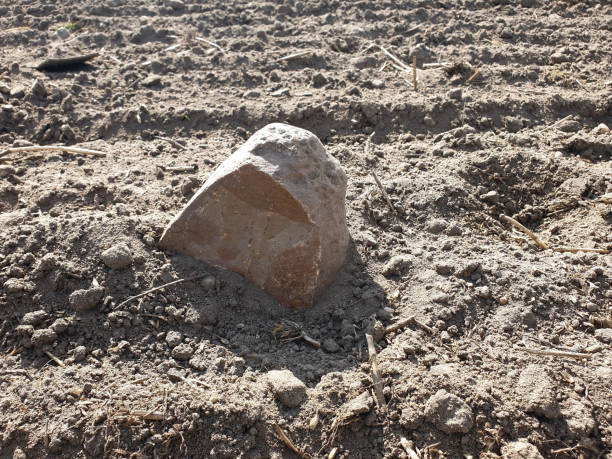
(273, 212)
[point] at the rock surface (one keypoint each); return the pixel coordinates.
(289, 390)
(537, 392)
(273, 212)
(521, 449)
(118, 256)
(449, 413)
(84, 300)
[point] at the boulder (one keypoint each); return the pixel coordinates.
(273, 212)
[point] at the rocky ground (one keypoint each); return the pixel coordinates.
(515, 122)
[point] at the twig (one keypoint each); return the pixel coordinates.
(573, 355)
(391, 56)
(399, 324)
(17, 372)
(384, 193)
(291, 56)
(554, 124)
(432, 65)
(147, 415)
(542, 245)
(287, 441)
(409, 448)
(211, 43)
(161, 287)
(177, 168)
(380, 398)
(414, 73)
(172, 142)
(579, 249)
(55, 359)
(409, 320)
(82, 151)
(474, 75)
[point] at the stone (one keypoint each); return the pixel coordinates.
(436, 226)
(455, 94)
(43, 336)
(63, 33)
(537, 393)
(6, 170)
(17, 92)
(397, 265)
(34, 317)
(578, 418)
(289, 390)
(59, 325)
(330, 345)
(492, 197)
(85, 299)
(604, 335)
(79, 353)
(173, 338)
(274, 212)
(449, 413)
(38, 89)
(118, 256)
(14, 285)
(182, 352)
(520, 449)
(357, 406)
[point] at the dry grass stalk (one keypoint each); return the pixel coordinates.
(432, 65)
(288, 442)
(172, 142)
(572, 355)
(408, 446)
(288, 331)
(409, 320)
(474, 75)
(580, 249)
(161, 287)
(55, 359)
(543, 245)
(292, 56)
(414, 73)
(384, 193)
(380, 398)
(402, 66)
(81, 151)
(211, 43)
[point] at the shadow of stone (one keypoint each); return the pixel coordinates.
(248, 321)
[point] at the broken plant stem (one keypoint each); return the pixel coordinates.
(55, 359)
(82, 151)
(288, 442)
(380, 398)
(294, 55)
(580, 249)
(211, 43)
(161, 287)
(541, 244)
(384, 193)
(572, 355)
(173, 142)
